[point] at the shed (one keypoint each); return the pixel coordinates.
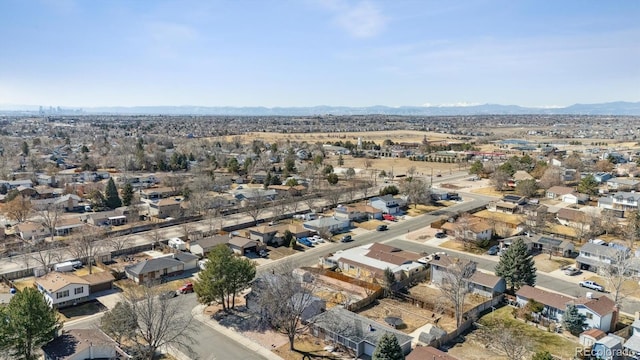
(589, 337)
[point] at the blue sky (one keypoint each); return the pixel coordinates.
(318, 52)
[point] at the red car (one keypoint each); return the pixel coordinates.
(389, 217)
(186, 288)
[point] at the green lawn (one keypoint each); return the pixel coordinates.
(556, 344)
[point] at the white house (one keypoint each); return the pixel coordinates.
(63, 289)
(600, 312)
(387, 203)
(81, 344)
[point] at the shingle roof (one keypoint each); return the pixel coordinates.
(485, 279)
(55, 281)
(75, 341)
(599, 305)
(545, 297)
(428, 353)
(150, 265)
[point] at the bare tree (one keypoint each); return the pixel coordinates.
(499, 179)
(255, 204)
(280, 208)
(310, 201)
(161, 322)
(416, 190)
(617, 273)
(283, 299)
(154, 235)
(86, 246)
(46, 256)
(48, 217)
(455, 285)
(508, 339)
(463, 229)
(552, 177)
(334, 196)
(118, 243)
(18, 209)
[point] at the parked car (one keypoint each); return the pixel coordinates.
(318, 238)
(382, 227)
(571, 271)
(186, 288)
(592, 285)
(263, 253)
(493, 250)
(304, 241)
(389, 217)
(346, 238)
(441, 235)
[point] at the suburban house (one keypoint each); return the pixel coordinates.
(283, 190)
(369, 211)
(471, 228)
(82, 344)
(556, 192)
(554, 304)
(153, 270)
(154, 194)
(514, 199)
(189, 260)
(387, 204)
(480, 283)
(358, 333)
(593, 256)
(620, 202)
(573, 218)
(245, 195)
(329, 224)
(502, 207)
(241, 245)
(99, 281)
(623, 184)
(428, 353)
(66, 226)
(547, 244)
(201, 247)
(575, 198)
(63, 289)
(112, 217)
(599, 311)
(32, 231)
(68, 202)
(346, 212)
(608, 348)
(164, 208)
(370, 261)
(602, 177)
(632, 345)
(589, 337)
(267, 234)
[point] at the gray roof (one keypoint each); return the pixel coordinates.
(355, 327)
(608, 251)
(211, 241)
(152, 265)
(184, 256)
(325, 222)
(633, 343)
(610, 341)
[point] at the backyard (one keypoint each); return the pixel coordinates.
(473, 347)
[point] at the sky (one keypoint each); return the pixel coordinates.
(281, 53)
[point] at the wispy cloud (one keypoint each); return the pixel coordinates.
(360, 19)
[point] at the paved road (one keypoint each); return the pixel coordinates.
(210, 344)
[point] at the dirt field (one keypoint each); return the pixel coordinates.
(545, 265)
(427, 291)
(307, 347)
(376, 136)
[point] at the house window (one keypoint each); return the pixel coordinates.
(589, 316)
(78, 290)
(62, 294)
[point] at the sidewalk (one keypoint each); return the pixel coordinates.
(198, 314)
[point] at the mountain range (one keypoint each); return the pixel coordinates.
(610, 108)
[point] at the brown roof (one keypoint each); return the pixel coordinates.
(594, 333)
(560, 190)
(571, 215)
(30, 226)
(522, 175)
(242, 242)
(428, 353)
(442, 261)
(600, 305)
(100, 277)
(545, 297)
(55, 281)
(383, 247)
(168, 202)
(367, 209)
(391, 254)
(507, 205)
(485, 279)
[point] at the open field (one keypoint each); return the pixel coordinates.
(544, 264)
(375, 136)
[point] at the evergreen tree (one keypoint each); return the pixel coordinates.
(28, 323)
(223, 277)
(388, 348)
(516, 266)
(573, 320)
(588, 185)
(542, 355)
(112, 199)
(127, 194)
